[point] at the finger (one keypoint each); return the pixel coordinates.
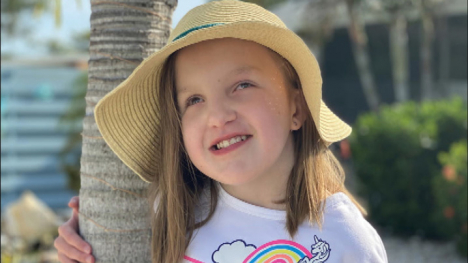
(64, 259)
(73, 222)
(74, 202)
(72, 253)
(71, 237)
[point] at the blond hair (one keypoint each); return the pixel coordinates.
(179, 185)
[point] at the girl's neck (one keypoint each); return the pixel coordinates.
(268, 197)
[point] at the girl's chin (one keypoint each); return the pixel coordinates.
(233, 180)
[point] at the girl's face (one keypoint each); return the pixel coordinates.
(230, 88)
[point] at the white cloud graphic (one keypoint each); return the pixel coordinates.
(234, 252)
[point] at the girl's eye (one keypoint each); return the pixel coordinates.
(244, 85)
(193, 100)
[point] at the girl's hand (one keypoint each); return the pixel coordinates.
(70, 246)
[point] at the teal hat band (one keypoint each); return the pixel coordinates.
(183, 34)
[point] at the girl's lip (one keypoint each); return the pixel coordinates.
(230, 148)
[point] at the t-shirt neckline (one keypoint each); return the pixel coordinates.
(269, 213)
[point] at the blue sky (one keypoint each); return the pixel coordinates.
(75, 19)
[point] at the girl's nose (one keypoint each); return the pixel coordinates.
(220, 113)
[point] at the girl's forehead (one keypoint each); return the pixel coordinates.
(224, 48)
(222, 55)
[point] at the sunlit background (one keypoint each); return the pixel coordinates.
(396, 70)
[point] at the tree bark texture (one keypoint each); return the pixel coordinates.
(361, 56)
(399, 53)
(114, 213)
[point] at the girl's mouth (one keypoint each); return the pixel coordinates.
(230, 144)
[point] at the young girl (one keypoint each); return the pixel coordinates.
(227, 124)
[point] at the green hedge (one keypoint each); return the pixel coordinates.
(395, 154)
(450, 190)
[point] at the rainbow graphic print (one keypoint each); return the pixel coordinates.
(278, 251)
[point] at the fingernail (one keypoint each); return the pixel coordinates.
(89, 259)
(87, 250)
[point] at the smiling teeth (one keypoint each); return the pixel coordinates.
(231, 141)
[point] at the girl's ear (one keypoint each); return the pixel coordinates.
(298, 109)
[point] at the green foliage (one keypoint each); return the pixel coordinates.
(450, 190)
(81, 40)
(395, 154)
(56, 47)
(80, 43)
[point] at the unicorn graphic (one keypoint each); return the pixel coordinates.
(320, 251)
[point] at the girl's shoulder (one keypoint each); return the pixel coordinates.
(340, 205)
(341, 212)
(345, 225)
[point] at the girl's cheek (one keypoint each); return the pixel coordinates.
(272, 103)
(190, 121)
(191, 129)
(190, 146)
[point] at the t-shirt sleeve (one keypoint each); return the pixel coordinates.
(361, 241)
(369, 248)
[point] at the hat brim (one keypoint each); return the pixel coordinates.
(127, 117)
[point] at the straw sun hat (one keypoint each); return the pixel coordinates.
(127, 117)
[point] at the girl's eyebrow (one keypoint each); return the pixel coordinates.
(242, 69)
(234, 72)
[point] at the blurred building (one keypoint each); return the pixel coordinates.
(341, 85)
(34, 95)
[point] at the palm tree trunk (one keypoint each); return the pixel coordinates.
(361, 56)
(399, 52)
(319, 29)
(427, 91)
(444, 54)
(114, 213)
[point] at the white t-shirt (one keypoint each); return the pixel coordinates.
(240, 232)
